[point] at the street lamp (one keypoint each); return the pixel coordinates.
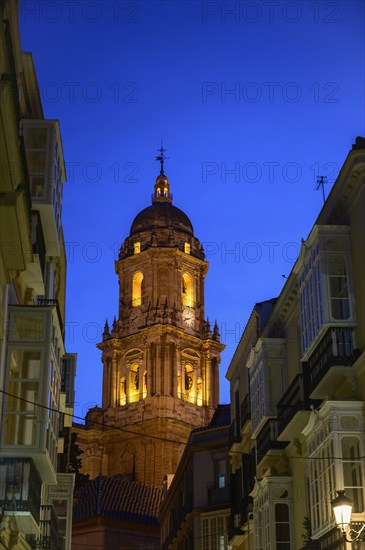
(342, 508)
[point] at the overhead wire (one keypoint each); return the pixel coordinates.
(156, 437)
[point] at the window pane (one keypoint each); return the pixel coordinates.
(352, 466)
(340, 309)
(21, 411)
(338, 287)
(281, 512)
(36, 138)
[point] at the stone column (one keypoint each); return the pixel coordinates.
(182, 380)
(147, 369)
(194, 384)
(117, 380)
(208, 381)
(161, 357)
(114, 365)
(105, 401)
(178, 368)
(158, 367)
(173, 369)
(216, 380)
(167, 371)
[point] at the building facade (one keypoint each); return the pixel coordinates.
(195, 511)
(36, 374)
(298, 387)
(160, 357)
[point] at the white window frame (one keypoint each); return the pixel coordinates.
(325, 432)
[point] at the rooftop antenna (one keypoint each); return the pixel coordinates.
(161, 157)
(321, 180)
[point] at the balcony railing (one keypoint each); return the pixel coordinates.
(295, 399)
(234, 432)
(20, 486)
(245, 410)
(219, 496)
(267, 438)
(336, 348)
(49, 539)
(49, 528)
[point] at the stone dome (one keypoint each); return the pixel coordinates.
(161, 215)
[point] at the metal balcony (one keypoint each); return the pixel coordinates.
(245, 410)
(219, 496)
(20, 492)
(268, 438)
(335, 349)
(235, 432)
(49, 539)
(49, 528)
(293, 401)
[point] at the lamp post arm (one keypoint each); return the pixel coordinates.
(357, 534)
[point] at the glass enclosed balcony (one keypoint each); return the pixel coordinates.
(30, 422)
(46, 169)
(20, 492)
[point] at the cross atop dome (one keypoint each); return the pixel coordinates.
(162, 186)
(161, 158)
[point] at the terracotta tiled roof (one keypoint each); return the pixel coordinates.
(118, 498)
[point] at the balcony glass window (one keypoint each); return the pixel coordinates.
(353, 473)
(214, 531)
(21, 411)
(33, 384)
(36, 138)
(282, 527)
(272, 511)
(322, 474)
(338, 287)
(267, 368)
(311, 304)
(334, 460)
(324, 282)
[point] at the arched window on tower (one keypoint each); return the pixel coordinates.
(158, 192)
(144, 394)
(189, 383)
(137, 289)
(187, 290)
(123, 393)
(134, 383)
(199, 392)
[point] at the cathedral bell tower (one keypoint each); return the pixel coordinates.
(160, 357)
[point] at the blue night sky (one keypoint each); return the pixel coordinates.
(254, 100)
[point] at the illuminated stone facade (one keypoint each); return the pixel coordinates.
(161, 358)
